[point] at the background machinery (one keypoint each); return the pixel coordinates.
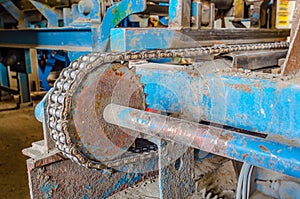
(163, 99)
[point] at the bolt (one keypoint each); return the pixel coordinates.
(85, 6)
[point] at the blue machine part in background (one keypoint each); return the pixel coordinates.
(79, 34)
(49, 62)
(3, 75)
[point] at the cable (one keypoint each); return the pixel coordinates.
(244, 181)
(240, 183)
(249, 181)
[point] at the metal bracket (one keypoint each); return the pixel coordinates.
(51, 14)
(17, 14)
(179, 14)
(110, 20)
(256, 60)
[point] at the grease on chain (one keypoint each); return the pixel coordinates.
(58, 103)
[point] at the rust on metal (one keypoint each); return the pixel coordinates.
(296, 18)
(282, 139)
(172, 176)
(225, 137)
(51, 181)
(241, 87)
(182, 17)
(245, 155)
(97, 139)
(292, 63)
(264, 148)
(257, 84)
(43, 161)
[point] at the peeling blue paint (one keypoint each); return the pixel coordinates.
(48, 187)
(114, 15)
(127, 178)
(259, 105)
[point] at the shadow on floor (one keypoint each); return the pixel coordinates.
(18, 129)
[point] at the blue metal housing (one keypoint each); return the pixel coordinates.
(264, 106)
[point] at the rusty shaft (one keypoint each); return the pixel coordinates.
(256, 151)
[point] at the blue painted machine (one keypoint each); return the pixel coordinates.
(162, 98)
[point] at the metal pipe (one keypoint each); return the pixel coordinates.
(256, 151)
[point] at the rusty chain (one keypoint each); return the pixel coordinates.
(58, 103)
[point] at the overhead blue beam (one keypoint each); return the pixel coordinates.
(56, 39)
(125, 39)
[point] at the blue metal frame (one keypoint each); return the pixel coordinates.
(72, 39)
(4, 75)
(125, 39)
(53, 16)
(179, 14)
(83, 14)
(276, 185)
(114, 15)
(15, 13)
(51, 59)
(254, 104)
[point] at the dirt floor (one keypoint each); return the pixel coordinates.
(18, 129)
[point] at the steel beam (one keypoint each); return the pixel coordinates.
(196, 12)
(51, 14)
(256, 151)
(257, 59)
(72, 39)
(12, 9)
(124, 39)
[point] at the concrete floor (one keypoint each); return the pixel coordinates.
(18, 129)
